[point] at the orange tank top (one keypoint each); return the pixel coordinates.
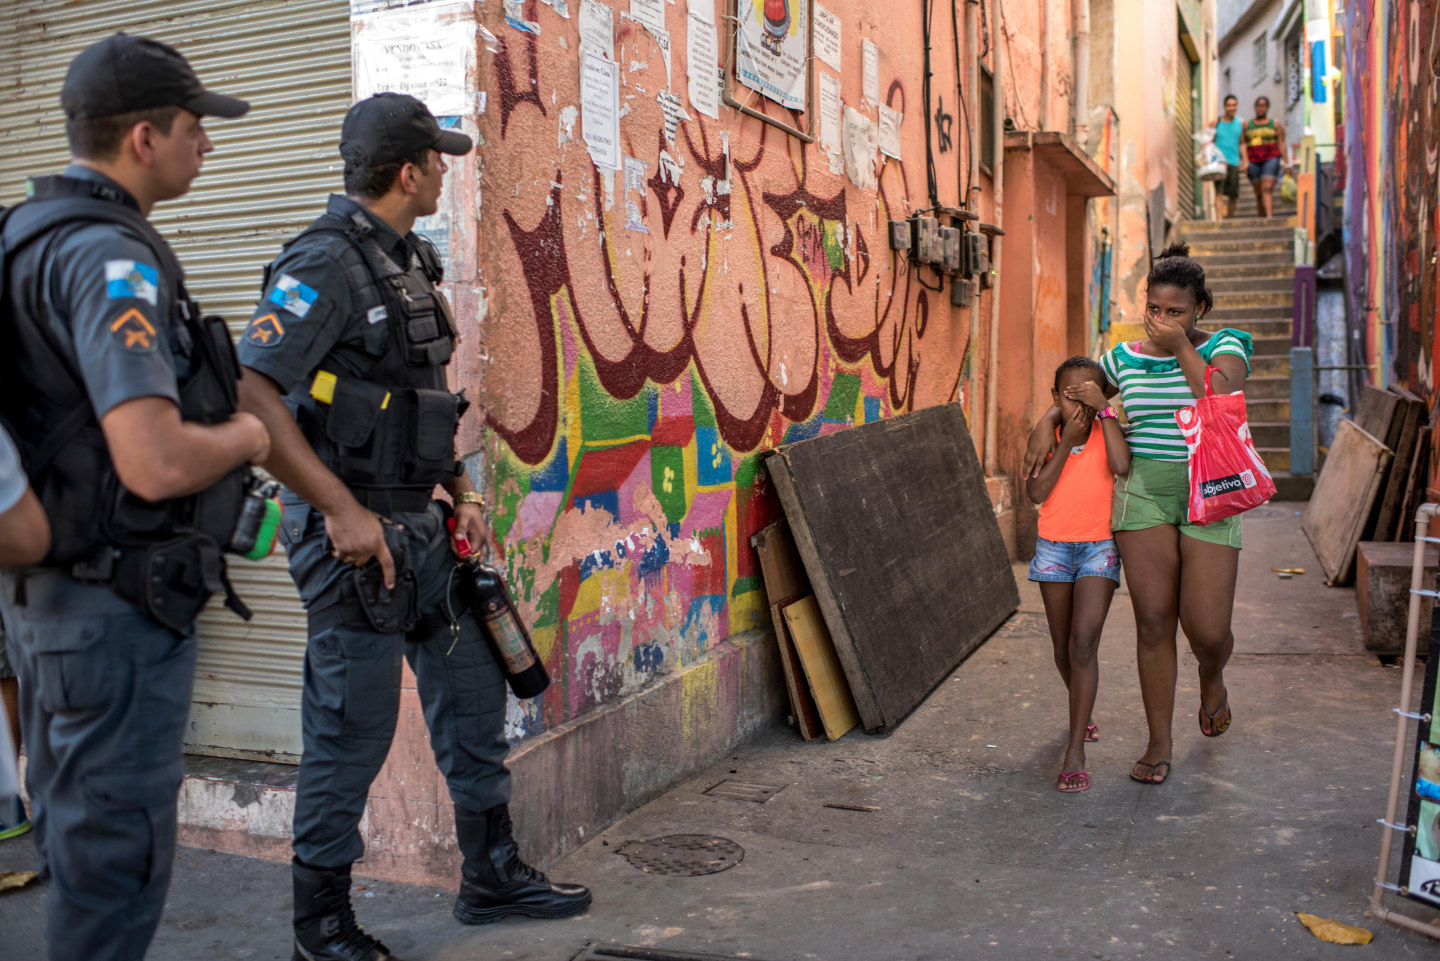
(1078, 508)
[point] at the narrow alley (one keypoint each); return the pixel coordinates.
(971, 852)
(613, 467)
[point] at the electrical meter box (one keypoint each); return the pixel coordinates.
(976, 255)
(925, 243)
(950, 249)
(899, 235)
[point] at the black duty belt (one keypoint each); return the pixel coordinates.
(390, 502)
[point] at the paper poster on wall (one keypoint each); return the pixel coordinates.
(661, 39)
(649, 13)
(702, 65)
(827, 37)
(890, 131)
(597, 30)
(360, 8)
(635, 194)
(859, 148)
(830, 113)
(674, 112)
(600, 110)
(771, 49)
(436, 229)
(870, 67)
(515, 17)
(1420, 866)
(398, 51)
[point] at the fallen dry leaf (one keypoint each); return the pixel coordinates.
(14, 880)
(1336, 932)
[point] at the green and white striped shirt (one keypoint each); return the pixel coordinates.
(1152, 389)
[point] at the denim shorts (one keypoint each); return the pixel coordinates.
(1065, 561)
(1269, 168)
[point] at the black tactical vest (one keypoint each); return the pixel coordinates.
(165, 557)
(392, 428)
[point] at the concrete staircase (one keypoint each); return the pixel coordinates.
(1250, 265)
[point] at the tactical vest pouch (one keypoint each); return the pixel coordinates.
(171, 581)
(434, 415)
(350, 425)
(354, 412)
(428, 331)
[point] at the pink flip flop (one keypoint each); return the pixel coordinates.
(1073, 782)
(1092, 732)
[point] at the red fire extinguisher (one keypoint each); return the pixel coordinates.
(502, 625)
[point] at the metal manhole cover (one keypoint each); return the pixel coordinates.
(683, 855)
(734, 790)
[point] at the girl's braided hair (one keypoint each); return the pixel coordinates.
(1175, 268)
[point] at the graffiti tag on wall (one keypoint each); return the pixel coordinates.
(644, 373)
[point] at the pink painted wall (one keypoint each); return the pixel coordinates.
(1145, 50)
(630, 380)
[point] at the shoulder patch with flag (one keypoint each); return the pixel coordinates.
(290, 294)
(130, 278)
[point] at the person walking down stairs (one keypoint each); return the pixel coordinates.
(1264, 149)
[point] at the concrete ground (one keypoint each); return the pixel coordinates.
(972, 853)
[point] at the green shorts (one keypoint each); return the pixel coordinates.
(1157, 492)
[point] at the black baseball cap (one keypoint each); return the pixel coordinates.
(390, 126)
(123, 73)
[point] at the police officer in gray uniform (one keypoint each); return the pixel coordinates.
(350, 342)
(121, 398)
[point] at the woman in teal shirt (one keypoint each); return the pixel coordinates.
(1227, 141)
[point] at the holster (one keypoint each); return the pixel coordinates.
(360, 601)
(170, 582)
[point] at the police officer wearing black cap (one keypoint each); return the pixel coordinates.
(121, 398)
(350, 342)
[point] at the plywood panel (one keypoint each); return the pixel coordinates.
(823, 673)
(785, 580)
(1344, 495)
(1415, 487)
(1405, 430)
(1376, 413)
(903, 551)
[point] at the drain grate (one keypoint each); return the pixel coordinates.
(733, 790)
(683, 855)
(621, 952)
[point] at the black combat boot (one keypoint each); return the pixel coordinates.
(325, 928)
(495, 883)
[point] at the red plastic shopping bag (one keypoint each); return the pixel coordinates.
(1227, 475)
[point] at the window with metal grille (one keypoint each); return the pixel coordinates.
(1257, 71)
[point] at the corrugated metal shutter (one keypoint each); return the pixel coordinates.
(267, 178)
(1184, 110)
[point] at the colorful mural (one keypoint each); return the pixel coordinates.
(640, 373)
(1392, 192)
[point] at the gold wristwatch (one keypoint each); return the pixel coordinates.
(470, 497)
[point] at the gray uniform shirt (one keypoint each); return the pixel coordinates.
(321, 308)
(12, 477)
(103, 293)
